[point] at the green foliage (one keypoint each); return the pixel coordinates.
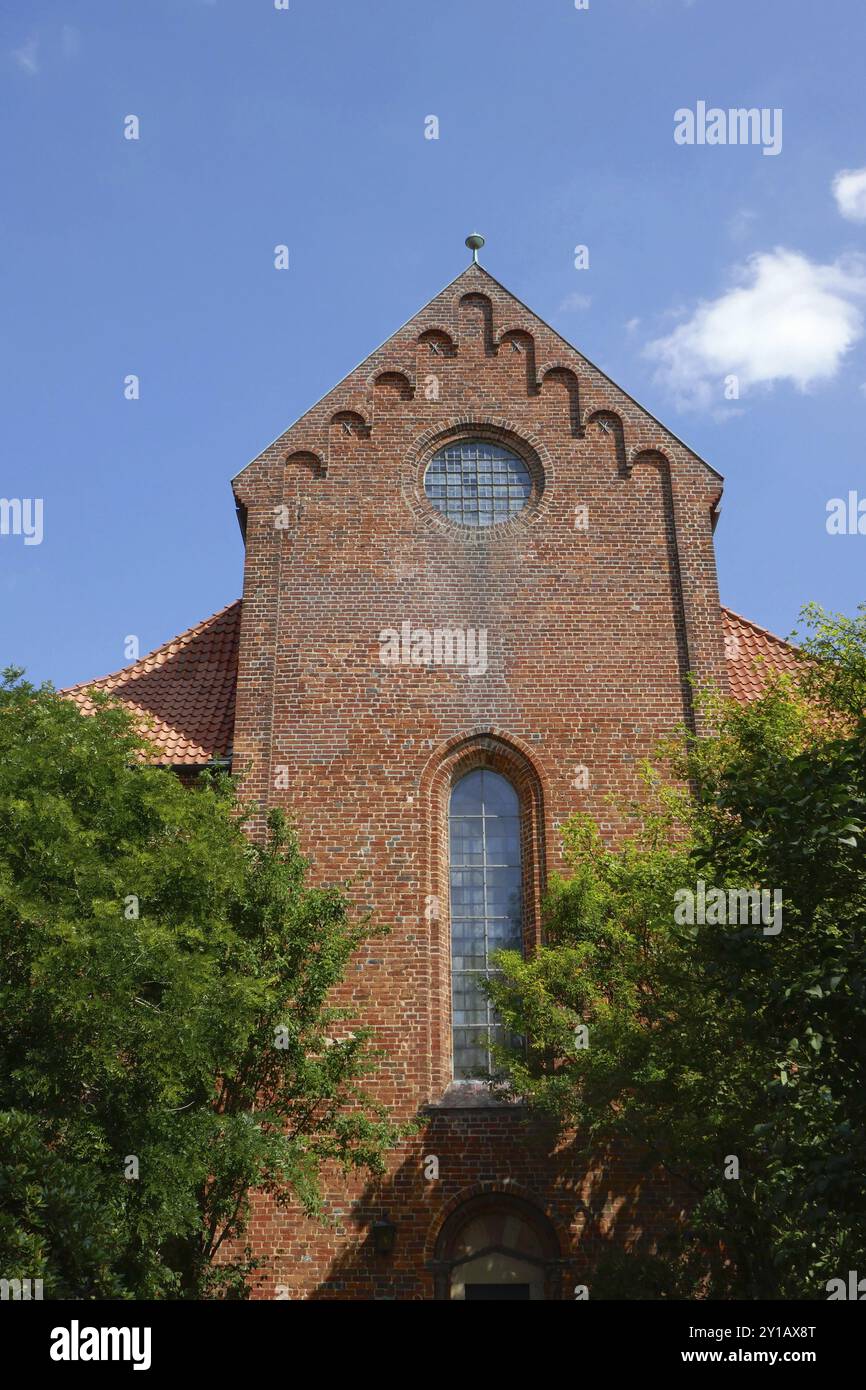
(707, 1041)
(165, 995)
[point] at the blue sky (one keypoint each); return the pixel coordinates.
(306, 127)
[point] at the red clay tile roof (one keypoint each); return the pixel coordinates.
(185, 689)
(752, 655)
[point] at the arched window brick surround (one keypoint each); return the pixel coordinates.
(489, 1222)
(512, 759)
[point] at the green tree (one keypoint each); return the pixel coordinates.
(168, 1042)
(728, 1039)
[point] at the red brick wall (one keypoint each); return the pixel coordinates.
(590, 635)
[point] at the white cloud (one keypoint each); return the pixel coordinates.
(849, 190)
(27, 56)
(788, 319)
(573, 302)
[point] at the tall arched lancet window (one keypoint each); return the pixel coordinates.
(486, 907)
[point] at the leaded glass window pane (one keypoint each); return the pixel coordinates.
(476, 483)
(486, 908)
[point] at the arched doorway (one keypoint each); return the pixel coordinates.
(497, 1246)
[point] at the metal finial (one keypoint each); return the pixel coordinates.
(475, 241)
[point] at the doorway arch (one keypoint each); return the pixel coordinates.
(496, 1246)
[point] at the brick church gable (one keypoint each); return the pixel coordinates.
(184, 693)
(474, 316)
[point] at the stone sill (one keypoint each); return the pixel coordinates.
(471, 1095)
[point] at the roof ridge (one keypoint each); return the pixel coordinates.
(183, 638)
(758, 628)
